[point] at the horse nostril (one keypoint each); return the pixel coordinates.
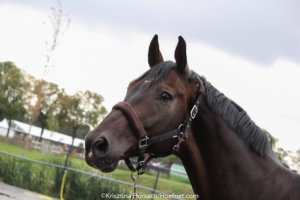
(100, 147)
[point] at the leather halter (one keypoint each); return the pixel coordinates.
(181, 132)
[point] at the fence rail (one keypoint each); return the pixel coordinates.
(38, 145)
(83, 172)
(34, 143)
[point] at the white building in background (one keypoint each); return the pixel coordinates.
(36, 131)
(4, 127)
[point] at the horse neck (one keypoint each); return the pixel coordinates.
(220, 165)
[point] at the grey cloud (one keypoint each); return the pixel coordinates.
(260, 31)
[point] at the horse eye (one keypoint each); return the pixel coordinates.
(165, 96)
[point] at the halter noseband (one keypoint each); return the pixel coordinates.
(144, 141)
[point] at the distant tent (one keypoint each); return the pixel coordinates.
(35, 131)
(4, 127)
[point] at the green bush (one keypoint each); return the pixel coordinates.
(46, 180)
(85, 187)
(25, 174)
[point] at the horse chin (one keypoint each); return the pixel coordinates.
(106, 167)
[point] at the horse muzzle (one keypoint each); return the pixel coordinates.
(97, 154)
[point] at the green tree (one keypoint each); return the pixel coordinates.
(1, 116)
(81, 132)
(42, 103)
(46, 105)
(296, 160)
(280, 152)
(12, 87)
(80, 110)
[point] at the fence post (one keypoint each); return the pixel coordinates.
(156, 180)
(64, 169)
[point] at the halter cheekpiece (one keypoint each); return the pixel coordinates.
(181, 132)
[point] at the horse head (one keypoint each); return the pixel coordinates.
(160, 100)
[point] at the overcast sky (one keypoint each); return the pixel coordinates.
(250, 50)
(258, 30)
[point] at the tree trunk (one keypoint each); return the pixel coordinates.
(8, 130)
(41, 135)
(26, 140)
(74, 130)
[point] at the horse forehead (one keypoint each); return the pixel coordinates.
(174, 80)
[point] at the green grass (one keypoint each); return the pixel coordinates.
(18, 151)
(173, 185)
(180, 178)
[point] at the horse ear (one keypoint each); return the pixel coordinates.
(180, 55)
(154, 55)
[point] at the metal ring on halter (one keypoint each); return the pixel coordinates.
(181, 129)
(176, 147)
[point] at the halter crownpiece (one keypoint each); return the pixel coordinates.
(144, 141)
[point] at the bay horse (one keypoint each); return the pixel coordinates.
(172, 110)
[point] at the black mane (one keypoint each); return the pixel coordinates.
(236, 118)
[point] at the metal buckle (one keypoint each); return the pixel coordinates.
(140, 167)
(194, 112)
(181, 128)
(143, 143)
(140, 164)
